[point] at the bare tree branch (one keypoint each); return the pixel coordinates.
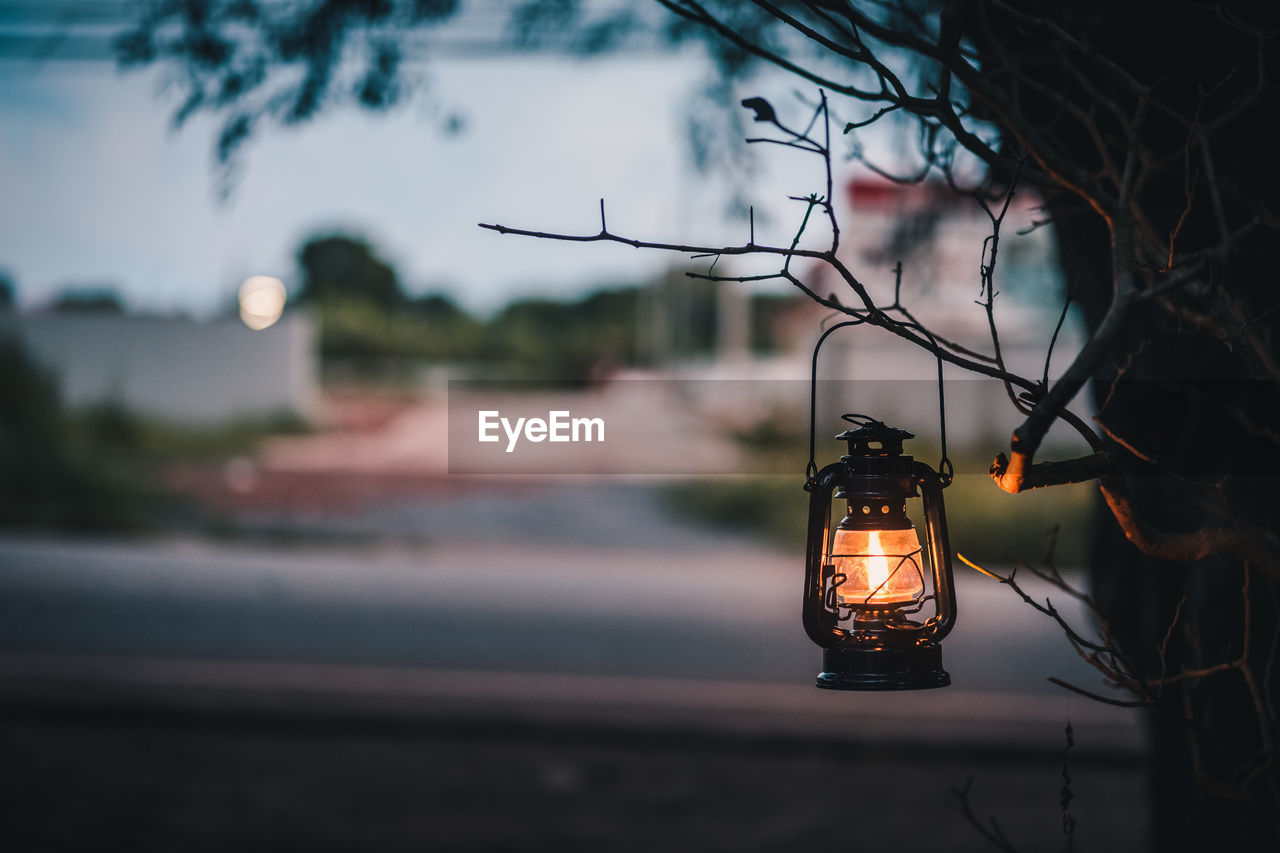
(1251, 544)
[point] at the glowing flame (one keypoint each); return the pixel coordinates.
(877, 568)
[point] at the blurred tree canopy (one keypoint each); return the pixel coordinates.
(365, 315)
(258, 62)
(88, 300)
(340, 266)
(240, 55)
(597, 330)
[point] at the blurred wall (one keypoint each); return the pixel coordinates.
(178, 369)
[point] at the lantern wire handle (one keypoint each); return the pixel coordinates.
(945, 469)
(811, 470)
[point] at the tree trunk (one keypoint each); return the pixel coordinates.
(1202, 408)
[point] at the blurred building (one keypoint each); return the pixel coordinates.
(175, 369)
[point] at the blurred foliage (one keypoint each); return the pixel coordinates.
(88, 300)
(339, 266)
(97, 468)
(367, 321)
(146, 444)
(529, 339)
(541, 338)
(984, 523)
(434, 328)
(364, 313)
(538, 339)
(54, 473)
(250, 61)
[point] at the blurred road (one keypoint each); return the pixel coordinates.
(532, 667)
(674, 629)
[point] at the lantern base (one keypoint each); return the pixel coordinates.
(883, 667)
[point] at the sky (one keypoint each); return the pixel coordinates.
(99, 190)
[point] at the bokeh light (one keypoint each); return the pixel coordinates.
(262, 301)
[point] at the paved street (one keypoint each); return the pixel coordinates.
(582, 672)
(710, 623)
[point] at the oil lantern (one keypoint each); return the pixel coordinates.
(875, 600)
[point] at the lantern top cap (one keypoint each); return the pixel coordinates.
(872, 437)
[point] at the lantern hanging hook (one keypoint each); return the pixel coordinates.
(946, 471)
